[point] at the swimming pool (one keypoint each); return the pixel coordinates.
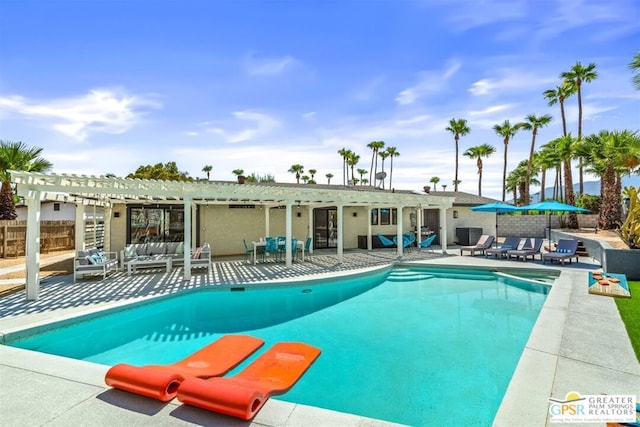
(406, 345)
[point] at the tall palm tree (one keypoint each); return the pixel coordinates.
(458, 128)
(478, 152)
(533, 123)
(558, 96)
(313, 173)
(352, 161)
(383, 155)
(635, 67)
(17, 156)
(391, 152)
(506, 131)
(375, 147)
(298, 170)
(329, 176)
(207, 169)
(566, 149)
(344, 153)
(577, 75)
(434, 180)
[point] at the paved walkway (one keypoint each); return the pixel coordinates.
(578, 344)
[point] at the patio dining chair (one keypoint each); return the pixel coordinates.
(386, 242)
(426, 243)
(272, 248)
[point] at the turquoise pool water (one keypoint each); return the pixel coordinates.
(413, 346)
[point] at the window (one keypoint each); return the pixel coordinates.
(156, 224)
(385, 216)
(56, 207)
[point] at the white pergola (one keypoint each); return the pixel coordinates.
(106, 191)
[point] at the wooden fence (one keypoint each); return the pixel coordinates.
(54, 236)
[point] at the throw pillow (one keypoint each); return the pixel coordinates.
(95, 259)
(130, 251)
(180, 249)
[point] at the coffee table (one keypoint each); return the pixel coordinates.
(148, 262)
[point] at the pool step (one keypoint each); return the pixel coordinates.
(408, 275)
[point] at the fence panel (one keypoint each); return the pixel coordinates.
(54, 236)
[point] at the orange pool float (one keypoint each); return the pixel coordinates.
(242, 395)
(162, 381)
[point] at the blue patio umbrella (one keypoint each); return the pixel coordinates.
(498, 208)
(551, 206)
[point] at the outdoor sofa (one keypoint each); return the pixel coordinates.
(92, 262)
(566, 250)
(201, 257)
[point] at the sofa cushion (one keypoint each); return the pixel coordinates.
(171, 247)
(156, 248)
(180, 249)
(141, 249)
(130, 251)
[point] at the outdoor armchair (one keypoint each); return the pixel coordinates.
(566, 250)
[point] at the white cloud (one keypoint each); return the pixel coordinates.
(263, 124)
(99, 111)
(511, 80)
(490, 110)
(269, 66)
(429, 82)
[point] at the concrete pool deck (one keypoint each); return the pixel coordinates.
(578, 344)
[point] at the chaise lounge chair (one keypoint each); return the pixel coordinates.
(162, 381)
(242, 395)
(566, 250)
(531, 248)
(510, 243)
(484, 242)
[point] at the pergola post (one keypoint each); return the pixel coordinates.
(443, 229)
(288, 233)
(79, 226)
(340, 243)
(399, 224)
(32, 245)
(310, 227)
(418, 225)
(187, 238)
(369, 242)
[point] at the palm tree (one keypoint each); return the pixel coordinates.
(298, 170)
(566, 149)
(352, 161)
(329, 176)
(533, 123)
(635, 67)
(516, 181)
(391, 152)
(444, 187)
(305, 178)
(558, 96)
(610, 155)
(546, 159)
(506, 131)
(361, 172)
(375, 147)
(207, 169)
(17, 156)
(458, 128)
(577, 75)
(478, 152)
(344, 153)
(383, 155)
(434, 180)
(313, 173)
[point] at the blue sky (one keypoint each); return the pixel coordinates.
(107, 86)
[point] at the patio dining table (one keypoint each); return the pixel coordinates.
(263, 243)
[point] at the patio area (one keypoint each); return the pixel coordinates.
(578, 344)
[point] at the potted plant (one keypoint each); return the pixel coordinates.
(240, 174)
